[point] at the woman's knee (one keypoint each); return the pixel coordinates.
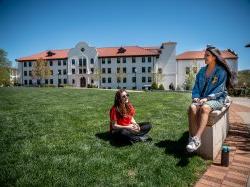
(192, 109)
(206, 109)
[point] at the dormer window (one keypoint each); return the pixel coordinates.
(121, 50)
(82, 49)
(50, 53)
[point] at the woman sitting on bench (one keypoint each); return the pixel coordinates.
(122, 122)
(209, 93)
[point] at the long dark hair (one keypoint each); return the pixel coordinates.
(221, 62)
(121, 106)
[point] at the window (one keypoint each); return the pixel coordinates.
(91, 61)
(187, 70)
(25, 64)
(64, 62)
(64, 71)
(133, 60)
(124, 59)
(143, 69)
(159, 70)
(118, 60)
(30, 73)
(124, 87)
(51, 72)
(51, 81)
(143, 79)
(143, 59)
(133, 79)
(80, 62)
(133, 69)
(25, 73)
(103, 80)
(149, 69)
(25, 82)
(84, 62)
(80, 71)
(124, 70)
(38, 82)
(73, 81)
(73, 71)
(118, 70)
(59, 81)
(59, 62)
(124, 80)
(109, 60)
(84, 71)
(195, 69)
(92, 70)
(109, 80)
(149, 79)
(59, 72)
(109, 70)
(134, 88)
(92, 81)
(103, 60)
(118, 79)
(64, 81)
(30, 82)
(73, 62)
(30, 64)
(46, 81)
(103, 70)
(149, 59)
(51, 63)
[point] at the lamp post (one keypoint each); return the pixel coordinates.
(135, 79)
(58, 78)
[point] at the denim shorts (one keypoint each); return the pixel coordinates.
(215, 104)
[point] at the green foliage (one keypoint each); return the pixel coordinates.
(161, 87)
(154, 86)
(244, 77)
(40, 70)
(189, 81)
(5, 65)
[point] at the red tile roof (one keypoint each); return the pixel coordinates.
(130, 51)
(102, 52)
(58, 54)
(191, 55)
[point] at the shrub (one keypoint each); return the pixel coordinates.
(154, 86)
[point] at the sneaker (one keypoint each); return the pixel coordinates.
(194, 144)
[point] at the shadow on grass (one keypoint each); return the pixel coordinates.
(177, 148)
(113, 140)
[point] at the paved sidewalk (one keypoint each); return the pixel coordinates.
(238, 172)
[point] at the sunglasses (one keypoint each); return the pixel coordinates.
(127, 95)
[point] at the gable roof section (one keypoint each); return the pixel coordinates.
(191, 55)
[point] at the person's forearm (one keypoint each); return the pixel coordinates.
(116, 126)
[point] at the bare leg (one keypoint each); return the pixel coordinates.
(204, 113)
(192, 119)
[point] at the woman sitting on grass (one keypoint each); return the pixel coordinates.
(209, 93)
(122, 122)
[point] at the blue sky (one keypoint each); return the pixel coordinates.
(30, 26)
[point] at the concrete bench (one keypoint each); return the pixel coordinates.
(215, 132)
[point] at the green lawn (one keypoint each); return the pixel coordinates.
(51, 136)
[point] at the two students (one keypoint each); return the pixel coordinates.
(209, 93)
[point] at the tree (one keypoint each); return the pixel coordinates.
(97, 75)
(5, 65)
(120, 76)
(189, 81)
(40, 70)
